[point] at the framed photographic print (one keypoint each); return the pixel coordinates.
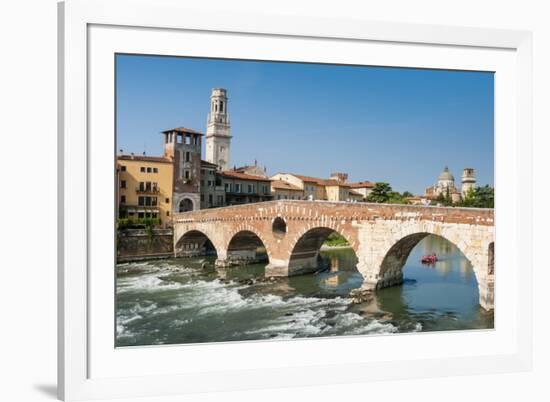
(248, 201)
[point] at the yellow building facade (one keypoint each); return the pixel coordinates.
(145, 185)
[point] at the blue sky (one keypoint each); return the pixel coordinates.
(396, 125)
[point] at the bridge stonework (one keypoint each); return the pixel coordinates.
(382, 236)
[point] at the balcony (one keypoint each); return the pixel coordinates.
(135, 207)
(146, 190)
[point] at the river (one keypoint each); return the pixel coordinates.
(177, 301)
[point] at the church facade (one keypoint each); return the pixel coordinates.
(445, 185)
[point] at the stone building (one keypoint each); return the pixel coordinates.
(445, 186)
(336, 188)
(360, 190)
(283, 190)
(183, 146)
(468, 181)
(218, 131)
(212, 189)
(242, 188)
(144, 187)
(311, 186)
(254, 170)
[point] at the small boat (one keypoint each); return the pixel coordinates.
(429, 259)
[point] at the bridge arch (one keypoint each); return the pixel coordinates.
(194, 243)
(245, 244)
(304, 252)
(476, 248)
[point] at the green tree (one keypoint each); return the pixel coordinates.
(407, 194)
(381, 192)
(444, 199)
(396, 198)
(484, 197)
(480, 197)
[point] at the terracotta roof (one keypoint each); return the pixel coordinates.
(242, 176)
(320, 182)
(362, 184)
(283, 185)
(208, 164)
(144, 158)
(183, 130)
(309, 179)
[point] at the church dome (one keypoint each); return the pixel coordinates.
(446, 175)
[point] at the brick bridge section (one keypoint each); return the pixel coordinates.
(382, 236)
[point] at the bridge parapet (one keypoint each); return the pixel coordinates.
(312, 210)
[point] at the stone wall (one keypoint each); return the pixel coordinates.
(136, 244)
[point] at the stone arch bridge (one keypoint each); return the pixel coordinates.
(291, 233)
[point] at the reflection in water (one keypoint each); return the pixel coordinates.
(186, 300)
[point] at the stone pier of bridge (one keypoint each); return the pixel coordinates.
(289, 235)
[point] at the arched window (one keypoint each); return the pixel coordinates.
(185, 205)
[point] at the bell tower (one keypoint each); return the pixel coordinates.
(468, 181)
(218, 131)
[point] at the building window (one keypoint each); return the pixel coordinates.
(123, 184)
(149, 170)
(186, 174)
(210, 199)
(250, 188)
(220, 199)
(154, 201)
(122, 168)
(123, 199)
(167, 213)
(142, 169)
(141, 215)
(237, 187)
(187, 157)
(155, 170)
(141, 201)
(154, 215)
(210, 183)
(167, 200)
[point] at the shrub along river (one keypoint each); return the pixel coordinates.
(177, 301)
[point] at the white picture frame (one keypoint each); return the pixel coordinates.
(90, 32)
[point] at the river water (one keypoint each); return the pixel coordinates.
(177, 301)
